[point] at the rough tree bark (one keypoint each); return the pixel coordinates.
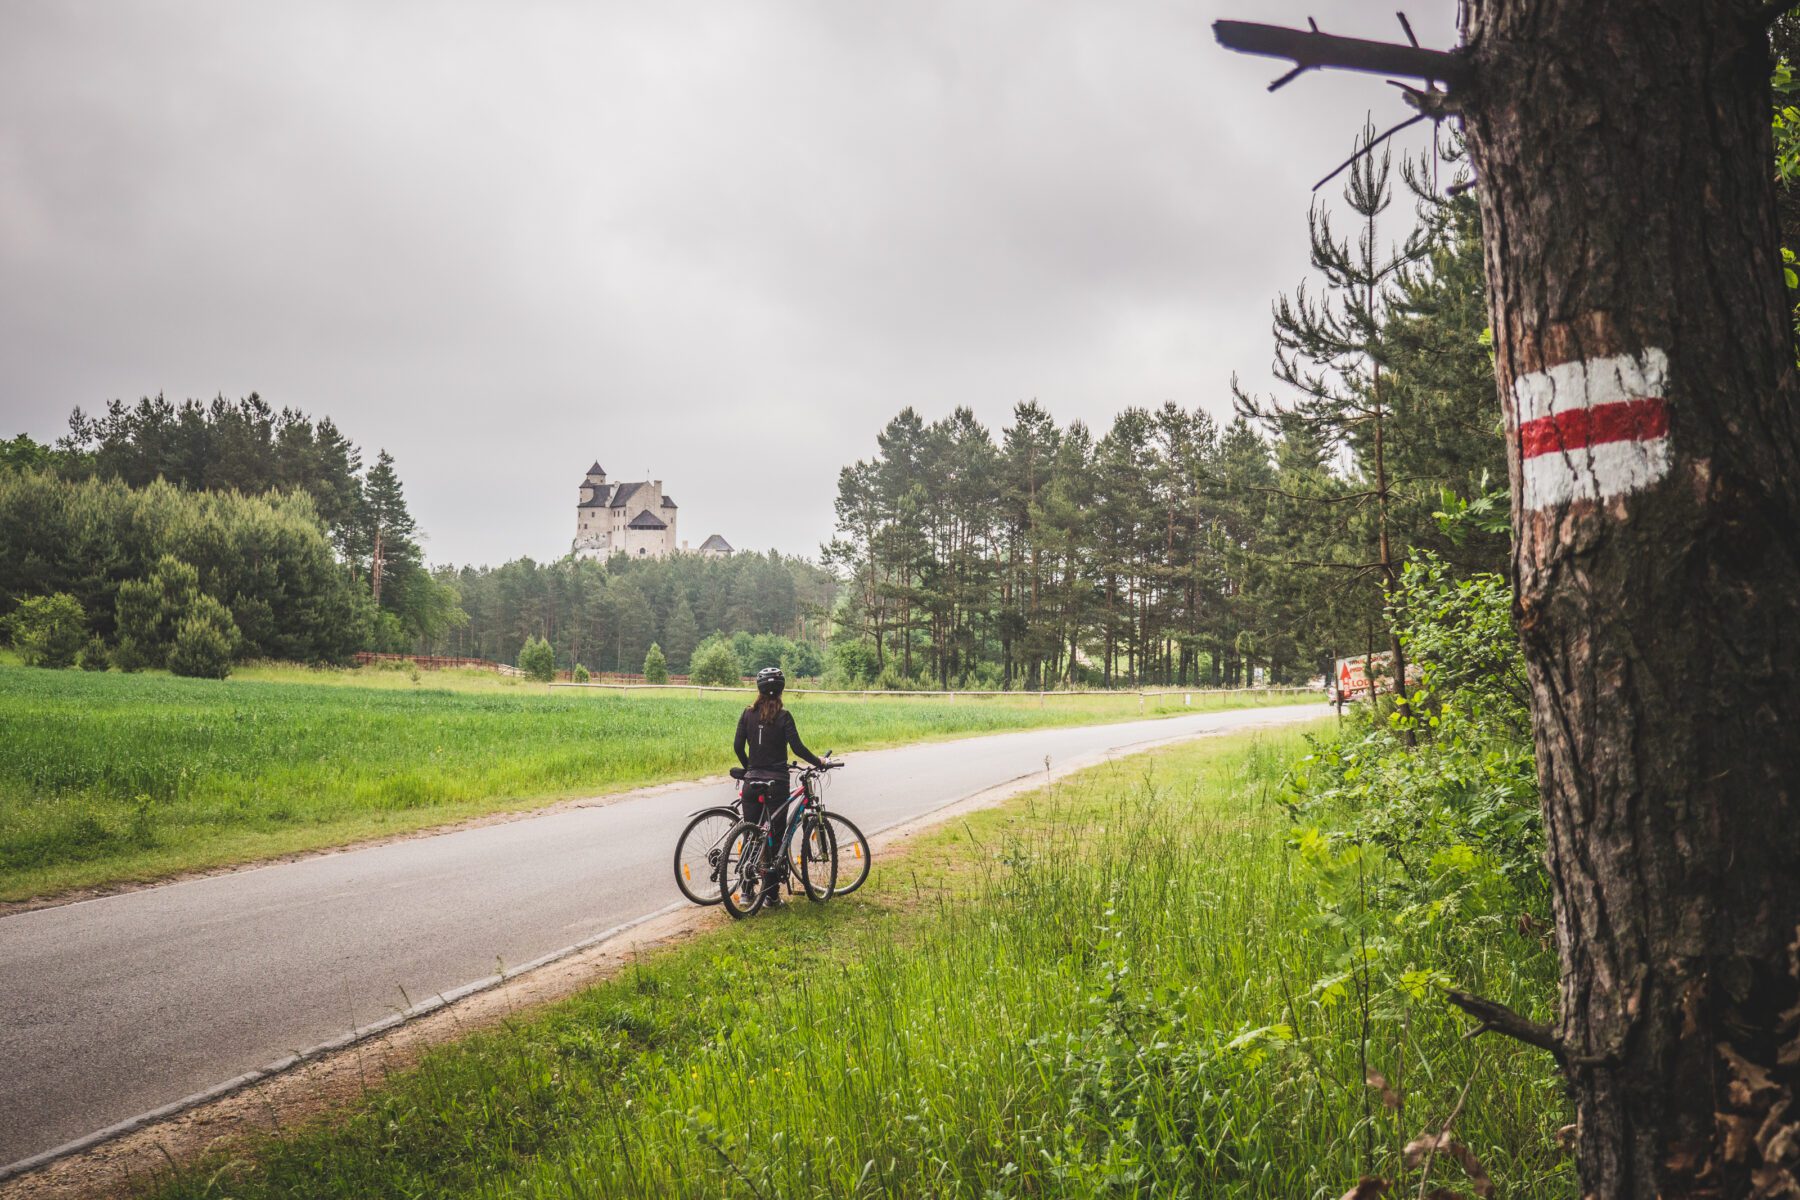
(1647, 372)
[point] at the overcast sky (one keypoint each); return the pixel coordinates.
(723, 241)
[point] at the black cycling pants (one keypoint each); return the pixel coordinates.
(758, 797)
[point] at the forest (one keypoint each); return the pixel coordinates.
(605, 616)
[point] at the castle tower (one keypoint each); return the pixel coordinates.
(591, 527)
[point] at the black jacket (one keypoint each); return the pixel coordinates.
(763, 747)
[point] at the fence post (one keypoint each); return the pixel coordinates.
(1140, 702)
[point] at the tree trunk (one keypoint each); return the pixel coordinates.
(1646, 369)
(375, 564)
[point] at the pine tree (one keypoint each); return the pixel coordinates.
(1331, 351)
(680, 632)
(389, 526)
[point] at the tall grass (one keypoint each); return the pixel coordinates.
(1121, 987)
(107, 776)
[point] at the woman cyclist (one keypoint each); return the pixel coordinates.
(765, 734)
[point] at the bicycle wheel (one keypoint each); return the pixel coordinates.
(852, 854)
(741, 875)
(818, 858)
(699, 851)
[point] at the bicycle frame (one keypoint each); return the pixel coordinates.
(803, 798)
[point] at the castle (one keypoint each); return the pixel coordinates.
(629, 518)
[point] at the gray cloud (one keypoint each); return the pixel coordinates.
(503, 240)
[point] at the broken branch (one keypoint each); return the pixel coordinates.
(1497, 1018)
(1310, 50)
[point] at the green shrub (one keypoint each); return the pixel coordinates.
(130, 657)
(149, 612)
(48, 631)
(94, 656)
(1457, 812)
(715, 665)
(538, 660)
(206, 641)
(656, 667)
(267, 556)
(852, 664)
(581, 674)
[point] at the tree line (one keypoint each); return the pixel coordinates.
(605, 615)
(1176, 548)
(309, 554)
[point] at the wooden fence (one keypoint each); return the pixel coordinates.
(436, 662)
(1143, 695)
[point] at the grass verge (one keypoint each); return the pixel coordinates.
(109, 777)
(1125, 985)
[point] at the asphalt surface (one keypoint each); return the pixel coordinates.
(115, 1006)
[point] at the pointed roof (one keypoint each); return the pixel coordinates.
(623, 492)
(715, 542)
(596, 469)
(645, 521)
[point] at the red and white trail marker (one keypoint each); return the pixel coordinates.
(1593, 429)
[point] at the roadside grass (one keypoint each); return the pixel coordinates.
(1124, 985)
(108, 777)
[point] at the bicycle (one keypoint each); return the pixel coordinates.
(700, 851)
(752, 858)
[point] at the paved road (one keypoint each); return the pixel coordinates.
(115, 1006)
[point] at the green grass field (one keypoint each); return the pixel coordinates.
(110, 777)
(1126, 985)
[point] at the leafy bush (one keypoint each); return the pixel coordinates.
(754, 651)
(538, 660)
(852, 665)
(267, 555)
(656, 667)
(48, 631)
(581, 674)
(715, 665)
(129, 657)
(94, 656)
(206, 641)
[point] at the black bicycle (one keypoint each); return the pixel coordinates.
(700, 851)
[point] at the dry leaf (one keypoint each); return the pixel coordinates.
(1748, 1080)
(1773, 1183)
(1423, 1146)
(1778, 1139)
(1565, 1138)
(1378, 1081)
(1369, 1187)
(1478, 1176)
(1426, 1145)
(1738, 1134)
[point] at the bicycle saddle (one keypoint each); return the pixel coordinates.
(737, 773)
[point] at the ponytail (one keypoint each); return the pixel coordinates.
(767, 708)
